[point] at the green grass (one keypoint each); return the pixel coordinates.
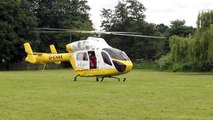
(146, 95)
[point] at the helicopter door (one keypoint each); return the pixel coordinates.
(92, 60)
(82, 60)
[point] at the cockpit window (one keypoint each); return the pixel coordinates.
(106, 58)
(116, 54)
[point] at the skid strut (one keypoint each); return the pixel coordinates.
(75, 79)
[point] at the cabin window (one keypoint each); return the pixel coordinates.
(82, 56)
(106, 58)
(116, 54)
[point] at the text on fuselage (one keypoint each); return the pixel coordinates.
(55, 57)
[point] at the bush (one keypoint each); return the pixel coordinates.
(165, 62)
(145, 64)
(194, 67)
(205, 66)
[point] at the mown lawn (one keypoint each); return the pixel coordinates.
(146, 95)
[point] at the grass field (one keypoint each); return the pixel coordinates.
(146, 95)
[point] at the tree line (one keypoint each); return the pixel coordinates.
(193, 52)
(19, 18)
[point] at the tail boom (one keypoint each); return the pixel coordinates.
(42, 58)
(46, 58)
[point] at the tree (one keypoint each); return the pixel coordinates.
(179, 28)
(125, 11)
(204, 34)
(70, 14)
(162, 28)
(193, 52)
(204, 20)
(129, 16)
(15, 26)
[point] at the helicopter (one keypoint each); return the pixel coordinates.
(92, 57)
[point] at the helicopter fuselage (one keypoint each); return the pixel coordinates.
(89, 58)
(94, 57)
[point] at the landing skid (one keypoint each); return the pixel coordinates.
(102, 78)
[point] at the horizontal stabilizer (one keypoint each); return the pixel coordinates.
(31, 59)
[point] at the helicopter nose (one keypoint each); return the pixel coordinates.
(119, 65)
(123, 66)
(129, 66)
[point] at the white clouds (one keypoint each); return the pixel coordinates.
(158, 11)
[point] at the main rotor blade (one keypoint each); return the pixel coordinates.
(54, 29)
(130, 34)
(85, 31)
(144, 36)
(51, 31)
(57, 30)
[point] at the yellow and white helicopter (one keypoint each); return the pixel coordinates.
(92, 57)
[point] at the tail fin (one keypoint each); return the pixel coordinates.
(30, 57)
(28, 48)
(53, 51)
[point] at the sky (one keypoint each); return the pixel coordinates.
(157, 11)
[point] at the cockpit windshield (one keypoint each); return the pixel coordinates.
(116, 54)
